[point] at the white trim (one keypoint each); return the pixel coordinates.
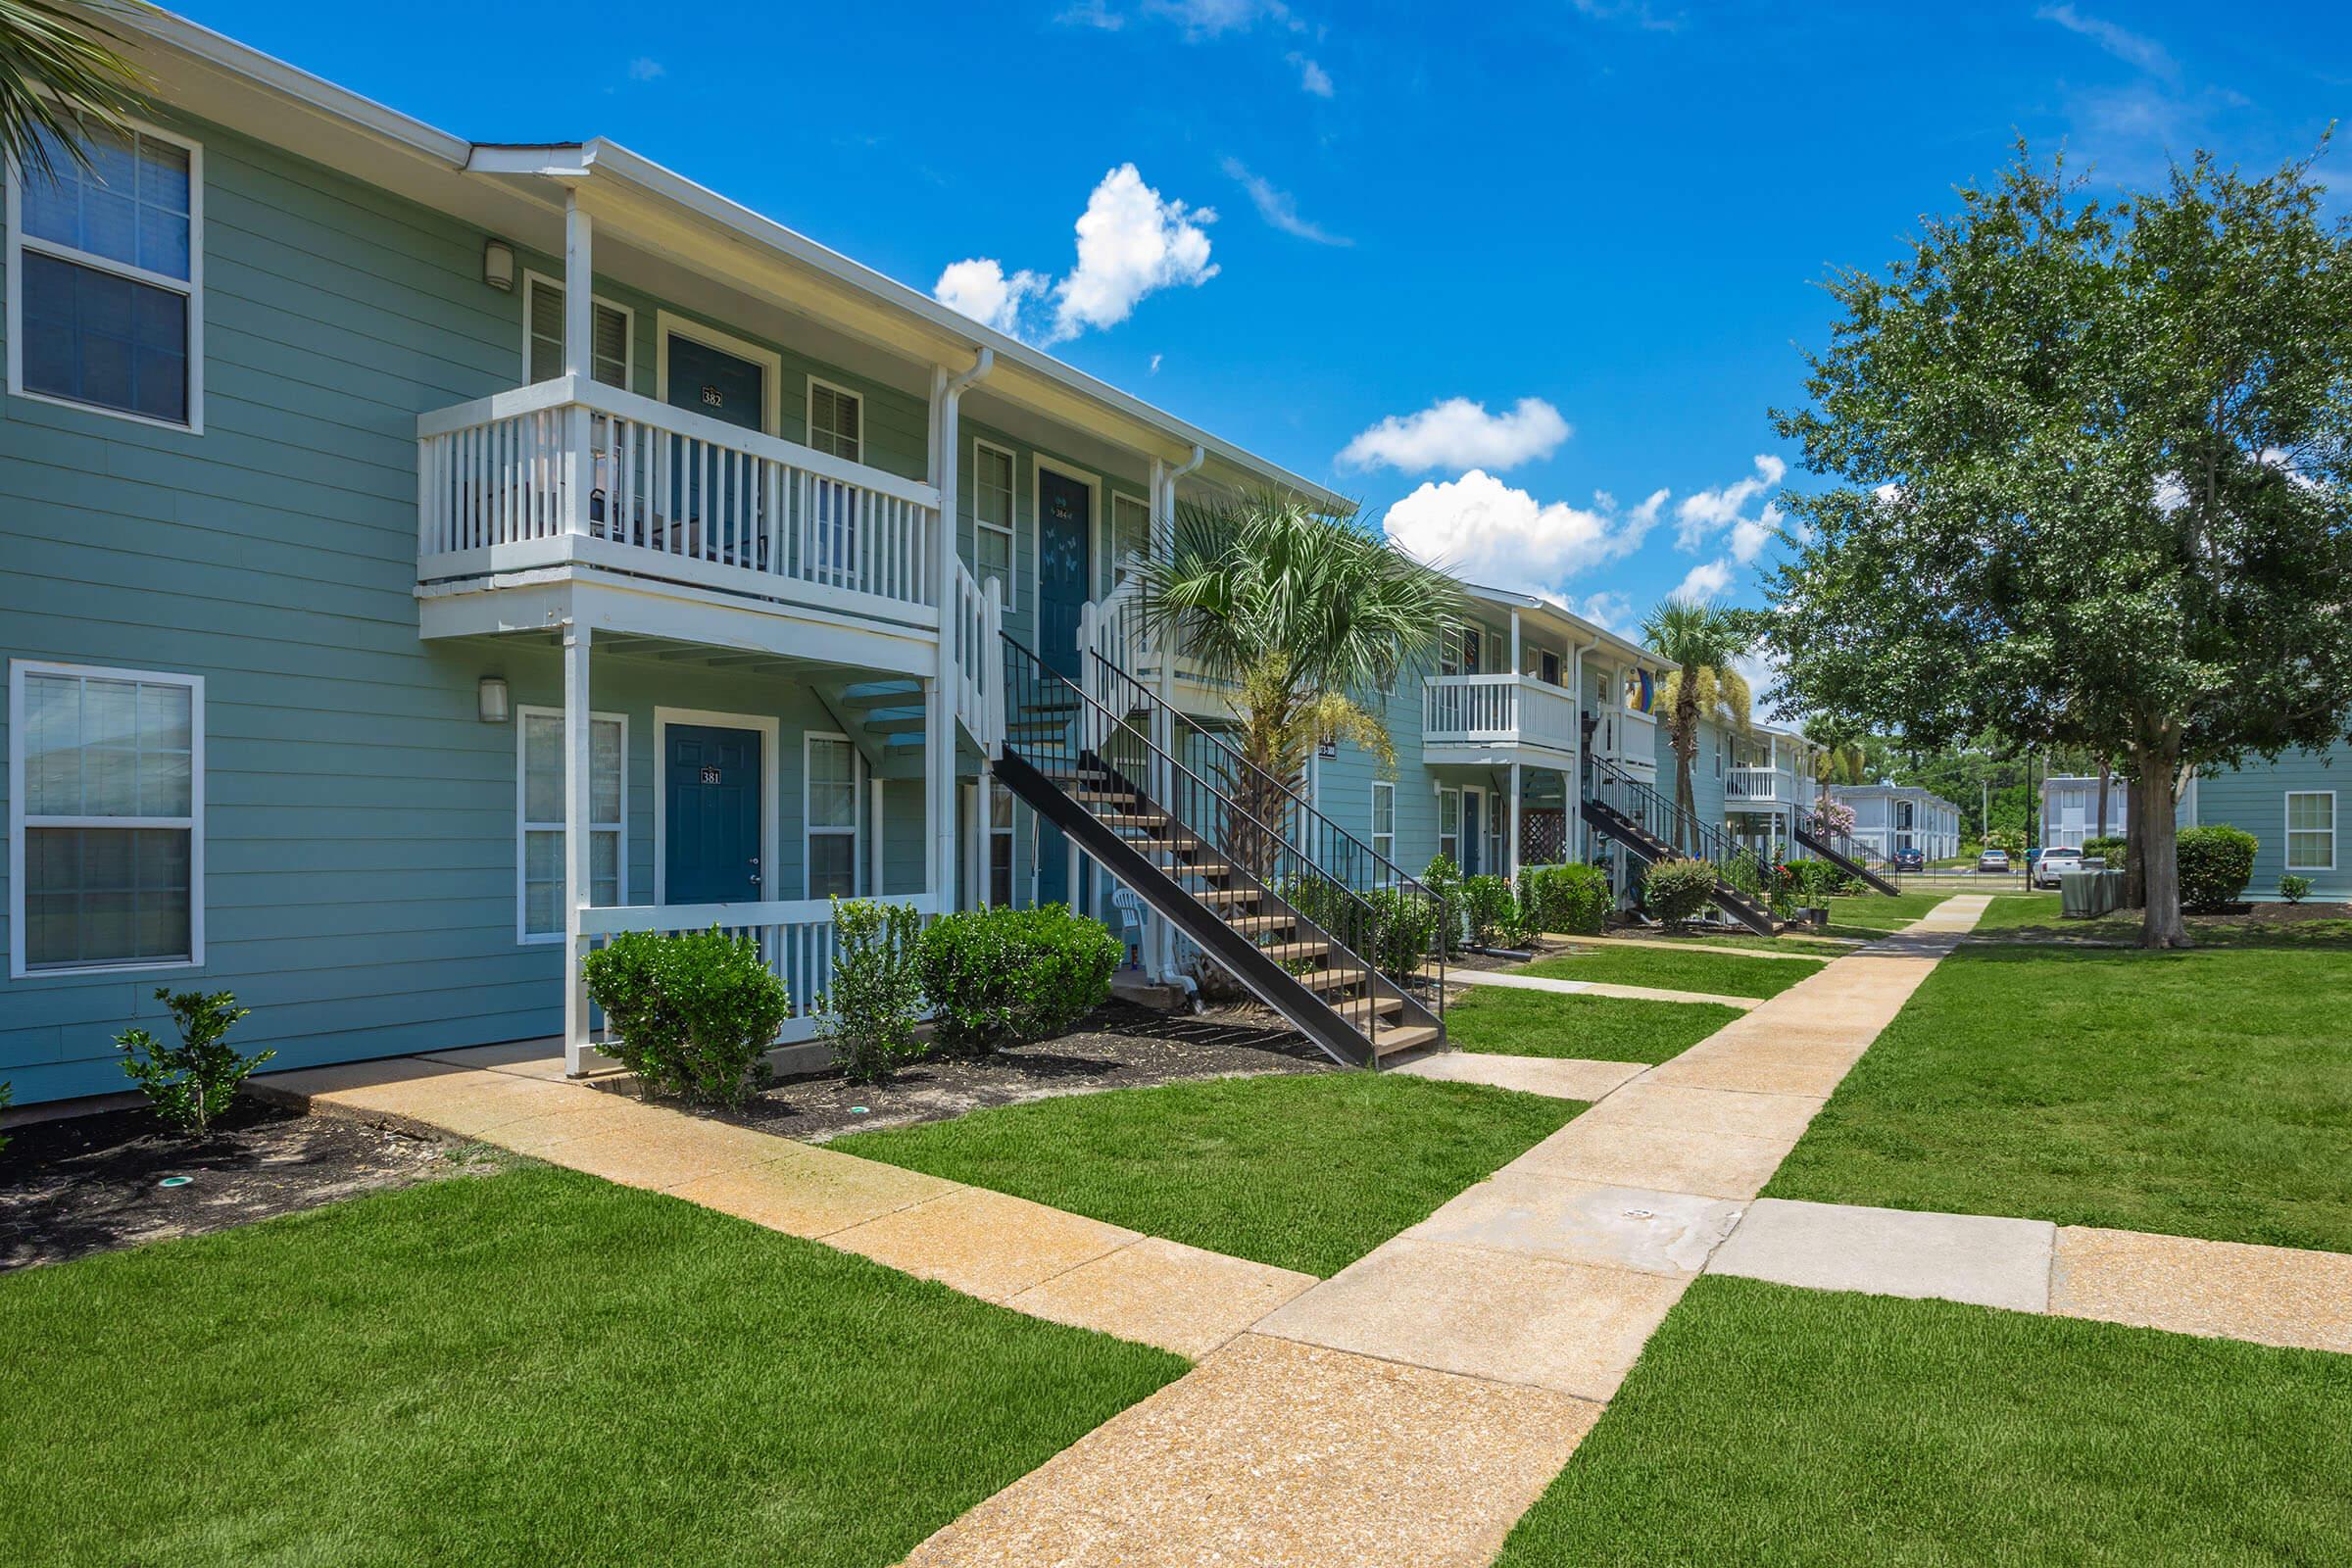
(1039, 464)
(524, 827)
(192, 823)
(809, 828)
(2286, 827)
(1012, 524)
(532, 278)
(770, 361)
(190, 287)
(770, 731)
(809, 415)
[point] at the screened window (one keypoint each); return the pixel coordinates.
(539, 733)
(2311, 830)
(836, 421)
(110, 768)
(832, 808)
(992, 516)
(109, 264)
(1384, 821)
(543, 315)
(1130, 535)
(1450, 825)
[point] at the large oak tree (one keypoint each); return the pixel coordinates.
(2092, 461)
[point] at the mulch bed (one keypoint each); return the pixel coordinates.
(90, 1183)
(1115, 1046)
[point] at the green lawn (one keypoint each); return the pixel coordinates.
(1800, 946)
(2018, 910)
(2205, 1092)
(1716, 973)
(1537, 1023)
(1868, 913)
(1766, 1425)
(1307, 1172)
(536, 1367)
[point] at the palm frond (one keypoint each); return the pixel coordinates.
(62, 79)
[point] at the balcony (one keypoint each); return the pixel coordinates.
(1758, 786)
(572, 473)
(1489, 711)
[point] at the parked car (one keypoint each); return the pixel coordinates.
(1910, 861)
(2051, 863)
(1991, 862)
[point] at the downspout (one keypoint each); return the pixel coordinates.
(1160, 954)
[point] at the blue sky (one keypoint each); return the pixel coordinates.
(1597, 223)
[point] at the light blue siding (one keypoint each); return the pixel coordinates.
(2255, 799)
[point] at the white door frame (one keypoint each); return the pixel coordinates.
(770, 361)
(1039, 464)
(770, 729)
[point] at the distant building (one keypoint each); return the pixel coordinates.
(2070, 809)
(1892, 817)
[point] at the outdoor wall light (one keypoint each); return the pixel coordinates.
(498, 266)
(493, 698)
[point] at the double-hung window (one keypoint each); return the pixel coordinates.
(836, 420)
(992, 516)
(1450, 825)
(1384, 821)
(106, 786)
(2311, 830)
(1130, 535)
(610, 352)
(539, 819)
(832, 809)
(106, 276)
(999, 845)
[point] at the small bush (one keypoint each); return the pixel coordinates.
(1815, 882)
(1572, 899)
(1676, 891)
(1001, 977)
(1490, 909)
(2112, 847)
(877, 993)
(693, 1013)
(2216, 864)
(1404, 930)
(194, 1081)
(2292, 888)
(1444, 879)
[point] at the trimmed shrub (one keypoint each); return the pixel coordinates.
(2216, 864)
(693, 1013)
(2292, 888)
(2113, 848)
(1572, 899)
(1404, 928)
(1676, 891)
(877, 993)
(194, 1081)
(8, 1093)
(1490, 911)
(1815, 881)
(1002, 977)
(1444, 879)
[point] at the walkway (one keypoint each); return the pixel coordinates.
(1590, 988)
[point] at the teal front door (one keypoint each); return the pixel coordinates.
(710, 815)
(709, 496)
(1065, 571)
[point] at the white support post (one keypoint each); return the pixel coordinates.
(1515, 670)
(1163, 739)
(874, 887)
(578, 814)
(939, 694)
(579, 335)
(1512, 853)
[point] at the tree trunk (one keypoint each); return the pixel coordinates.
(2151, 807)
(2135, 846)
(2106, 774)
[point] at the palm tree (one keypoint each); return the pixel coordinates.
(61, 78)
(1840, 758)
(1702, 642)
(1307, 618)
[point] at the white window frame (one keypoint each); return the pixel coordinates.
(524, 827)
(2286, 825)
(191, 286)
(809, 417)
(1011, 529)
(18, 821)
(811, 832)
(667, 324)
(532, 279)
(1381, 791)
(1456, 857)
(995, 792)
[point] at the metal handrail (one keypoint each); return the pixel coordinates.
(1719, 846)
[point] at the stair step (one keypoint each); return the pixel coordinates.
(1228, 895)
(1395, 1042)
(1209, 868)
(1361, 1005)
(1249, 923)
(1284, 951)
(1324, 980)
(1133, 819)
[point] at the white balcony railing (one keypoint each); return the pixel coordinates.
(572, 472)
(797, 941)
(1496, 710)
(1758, 786)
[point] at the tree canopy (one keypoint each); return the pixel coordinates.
(2093, 462)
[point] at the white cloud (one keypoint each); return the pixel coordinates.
(1705, 582)
(979, 289)
(2131, 47)
(1091, 13)
(1208, 17)
(1278, 208)
(1495, 535)
(1633, 13)
(1607, 610)
(1709, 512)
(1457, 433)
(1154, 370)
(1312, 78)
(1130, 243)
(646, 69)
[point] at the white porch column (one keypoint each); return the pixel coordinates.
(578, 815)
(874, 888)
(1160, 958)
(1515, 670)
(1517, 832)
(579, 333)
